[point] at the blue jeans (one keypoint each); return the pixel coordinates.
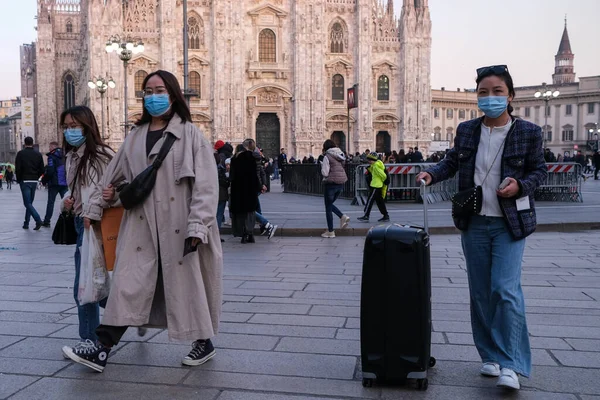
(259, 217)
(497, 302)
(89, 314)
(332, 192)
(221, 213)
(52, 192)
(28, 193)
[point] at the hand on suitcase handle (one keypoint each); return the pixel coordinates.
(424, 178)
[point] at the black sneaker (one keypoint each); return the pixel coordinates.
(46, 225)
(385, 218)
(93, 357)
(271, 229)
(202, 351)
(363, 219)
(25, 226)
(263, 229)
(38, 225)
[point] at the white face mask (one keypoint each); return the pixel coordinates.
(227, 174)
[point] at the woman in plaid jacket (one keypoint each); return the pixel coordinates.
(489, 151)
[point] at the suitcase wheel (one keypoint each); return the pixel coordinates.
(432, 362)
(422, 384)
(367, 382)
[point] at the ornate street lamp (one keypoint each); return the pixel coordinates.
(546, 94)
(101, 85)
(125, 49)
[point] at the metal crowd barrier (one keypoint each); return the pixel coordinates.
(403, 184)
(563, 183)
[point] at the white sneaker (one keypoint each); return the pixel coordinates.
(508, 379)
(328, 235)
(490, 369)
(344, 221)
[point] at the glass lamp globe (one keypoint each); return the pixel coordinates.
(91, 85)
(111, 84)
(537, 95)
(556, 93)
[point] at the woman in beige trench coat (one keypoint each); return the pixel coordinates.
(154, 284)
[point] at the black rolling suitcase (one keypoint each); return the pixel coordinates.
(395, 306)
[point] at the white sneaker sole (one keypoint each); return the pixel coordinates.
(508, 384)
(193, 363)
(69, 353)
(64, 353)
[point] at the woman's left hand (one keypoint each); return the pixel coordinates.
(510, 191)
(87, 223)
(196, 241)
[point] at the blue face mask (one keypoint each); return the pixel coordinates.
(492, 106)
(74, 136)
(157, 104)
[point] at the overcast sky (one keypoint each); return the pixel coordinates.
(467, 34)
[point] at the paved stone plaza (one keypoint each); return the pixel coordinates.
(290, 324)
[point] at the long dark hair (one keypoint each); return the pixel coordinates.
(178, 103)
(96, 151)
(506, 77)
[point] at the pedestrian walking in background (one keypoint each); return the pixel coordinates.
(266, 228)
(223, 191)
(169, 262)
(378, 188)
(595, 160)
(489, 150)
(29, 167)
(86, 161)
(9, 175)
(245, 187)
(55, 177)
(334, 178)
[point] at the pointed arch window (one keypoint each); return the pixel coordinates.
(138, 80)
(337, 87)
(69, 91)
(383, 88)
(195, 33)
(69, 26)
(267, 46)
(195, 84)
(337, 38)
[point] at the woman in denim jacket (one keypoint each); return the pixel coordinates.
(488, 151)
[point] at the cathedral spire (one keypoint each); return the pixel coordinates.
(563, 64)
(390, 8)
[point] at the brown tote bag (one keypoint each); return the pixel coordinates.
(110, 224)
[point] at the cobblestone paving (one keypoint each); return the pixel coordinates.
(290, 325)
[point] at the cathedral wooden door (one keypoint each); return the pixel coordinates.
(268, 134)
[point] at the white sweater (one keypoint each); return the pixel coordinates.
(490, 144)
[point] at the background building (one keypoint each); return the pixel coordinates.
(450, 108)
(572, 118)
(274, 70)
(10, 107)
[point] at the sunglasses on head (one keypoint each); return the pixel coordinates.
(493, 69)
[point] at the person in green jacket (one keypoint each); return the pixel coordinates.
(378, 188)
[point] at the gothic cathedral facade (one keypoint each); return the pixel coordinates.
(274, 70)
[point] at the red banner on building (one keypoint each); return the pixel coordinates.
(353, 97)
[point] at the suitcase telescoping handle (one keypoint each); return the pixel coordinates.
(423, 197)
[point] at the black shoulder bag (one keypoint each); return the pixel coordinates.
(134, 193)
(468, 202)
(64, 231)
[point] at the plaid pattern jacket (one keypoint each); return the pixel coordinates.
(522, 159)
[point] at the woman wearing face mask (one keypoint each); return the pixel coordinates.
(154, 283)
(86, 160)
(504, 156)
